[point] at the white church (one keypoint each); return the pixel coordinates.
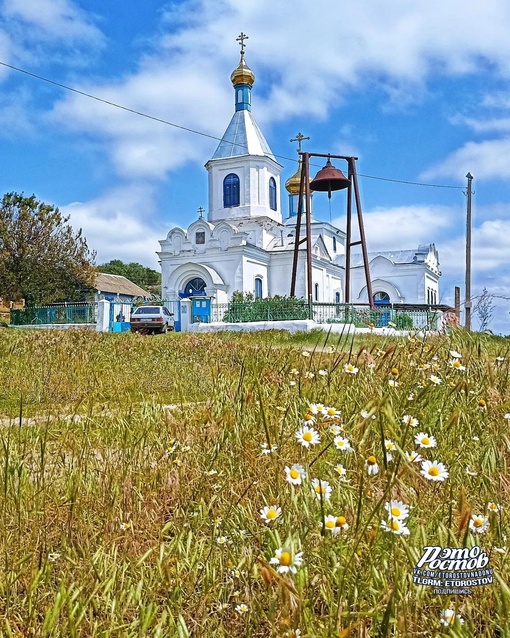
(246, 243)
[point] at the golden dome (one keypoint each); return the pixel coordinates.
(243, 74)
(293, 183)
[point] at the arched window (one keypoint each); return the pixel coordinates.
(258, 287)
(231, 191)
(337, 297)
(272, 193)
(195, 286)
(316, 292)
(381, 298)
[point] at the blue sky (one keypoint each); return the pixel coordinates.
(418, 91)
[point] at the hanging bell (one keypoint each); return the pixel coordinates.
(329, 179)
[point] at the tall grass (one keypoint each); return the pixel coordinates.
(133, 471)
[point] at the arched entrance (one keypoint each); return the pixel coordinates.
(193, 287)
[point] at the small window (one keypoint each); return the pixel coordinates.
(200, 237)
(272, 193)
(258, 288)
(231, 191)
(316, 292)
(337, 297)
(334, 244)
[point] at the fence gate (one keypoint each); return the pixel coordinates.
(120, 314)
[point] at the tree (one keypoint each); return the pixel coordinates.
(140, 275)
(484, 309)
(42, 259)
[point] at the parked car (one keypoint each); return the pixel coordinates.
(152, 319)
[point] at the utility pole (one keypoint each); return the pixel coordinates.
(467, 323)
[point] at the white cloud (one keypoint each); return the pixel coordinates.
(119, 225)
(485, 160)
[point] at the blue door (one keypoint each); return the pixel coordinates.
(200, 310)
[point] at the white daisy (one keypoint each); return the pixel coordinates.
(332, 413)
(322, 489)
(425, 440)
(456, 365)
(242, 609)
(295, 474)
(270, 513)
(286, 561)
(414, 457)
(350, 369)
(335, 524)
(455, 355)
(449, 617)
(395, 526)
(397, 509)
(434, 471)
(336, 429)
(341, 471)
(371, 466)
(407, 419)
(479, 524)
(308, 436)
(343, 444)
(494, 507)
(435, 380)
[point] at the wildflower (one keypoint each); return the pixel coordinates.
(494, 508)
(323, 373)
(335, 429)
(308, 436)
(394, 372)
(305, 353)
(425, 440)
(332, 413)
(242, 609)
(390, 445)
(308, 419)
(125, 526)
(397, 509)
(211, 472)
(371, 466)
(500, 359)
(322, 489)
(292, 383)
(309, 375)
(280, 408)
(456, 365)
(392, 383)
(268, 450)
(53, 557)
(270, 513)
(366, 414)
(316, 408)
(435, 380)
(482, 403)
(292, 633)
(217, 521)
(455, 355)
(294, 371)
(286, 561)
(407, 419)
(396, 526)
(450, 616)
(223, 540)
(434, 471)
(350, 369)
(507, 416)
(479, 524)
(341, 471)
(411, 396)
(343, 444)
(335, 524)
(414, 457)
(295, 474)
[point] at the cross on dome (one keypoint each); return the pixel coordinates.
(242, 37)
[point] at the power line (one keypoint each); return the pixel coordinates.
(194, 131)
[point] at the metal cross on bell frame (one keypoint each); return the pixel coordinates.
(329, 179)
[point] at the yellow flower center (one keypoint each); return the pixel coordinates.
(395, 525)
(308, 416)
(482, 403)
(319, 489)
(272, 513)
(285, 559)
(371, 460)
(340, 521)
(307, 436)
(394, 371)
(330, 524)
(433, 471)
(478, 522)
(294, 473)
(331, 412)
(395, 511)
(456, 363)
(425, 440)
